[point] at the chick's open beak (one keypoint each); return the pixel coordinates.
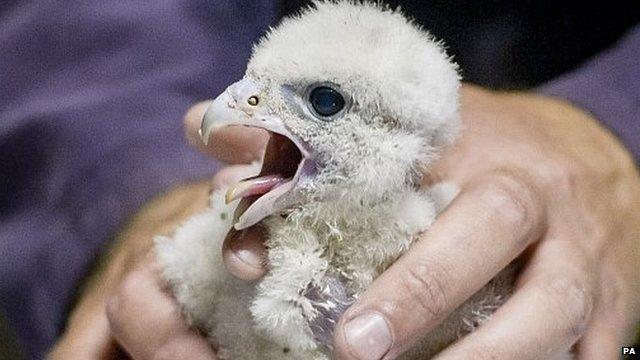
(286, 157)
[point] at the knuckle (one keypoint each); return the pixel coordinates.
(117, 304)
(113, 310)
(112, 306)
(165, 353)
(514, 198)
(564, 174)
(569, 298)
(485, 352)
(130, 286)
(425, 286)
(177, 348)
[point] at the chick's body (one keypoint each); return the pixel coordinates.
(369, 99)
(275, 318)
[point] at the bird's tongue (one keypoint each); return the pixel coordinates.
(255, 186)
(259, 194)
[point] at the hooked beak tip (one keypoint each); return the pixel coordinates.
(205, 139)
(206, 124)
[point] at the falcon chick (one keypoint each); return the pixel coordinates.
(358, 101)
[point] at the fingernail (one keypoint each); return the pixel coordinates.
(245, 251)
(368, 336)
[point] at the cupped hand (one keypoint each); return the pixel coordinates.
(541, 180)
(124, 311)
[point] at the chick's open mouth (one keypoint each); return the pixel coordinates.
(282, 166)
(281, 160)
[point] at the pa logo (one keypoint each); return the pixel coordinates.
(629, 351)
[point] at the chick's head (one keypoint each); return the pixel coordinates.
(357, 99)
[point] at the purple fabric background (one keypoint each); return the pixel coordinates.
(609, 87)
(92, 95)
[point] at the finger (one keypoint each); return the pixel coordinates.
(235, 144)
(542, 320)
(147, 323)
(229, 175)
(90, 340)
(483, 230)
(602, 341)
(606, 332)
(244, 253)
(87, 335)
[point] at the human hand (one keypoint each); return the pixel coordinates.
(540, 179)
(124, 305)
(535, 174)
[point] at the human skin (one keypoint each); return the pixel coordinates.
(541, 181)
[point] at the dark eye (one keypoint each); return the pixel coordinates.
(326, 101)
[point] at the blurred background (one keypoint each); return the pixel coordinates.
(517, 44)
(502, 44)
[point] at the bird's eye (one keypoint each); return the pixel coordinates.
(326, 101)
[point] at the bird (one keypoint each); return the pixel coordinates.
(359, 101)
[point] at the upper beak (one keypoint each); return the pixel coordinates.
(239, 104)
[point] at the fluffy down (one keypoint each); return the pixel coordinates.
(360, 207)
